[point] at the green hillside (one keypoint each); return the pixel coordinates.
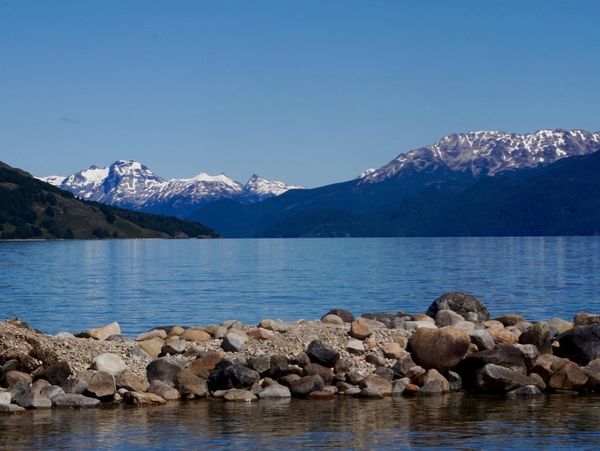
(30, 208)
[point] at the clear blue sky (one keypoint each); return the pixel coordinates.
(310, 92)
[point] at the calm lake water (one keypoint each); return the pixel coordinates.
(76, 285)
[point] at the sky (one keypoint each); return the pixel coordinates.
(309, 92)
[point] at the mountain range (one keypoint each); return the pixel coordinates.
(131, 184)
(30, 208)
(477, 183)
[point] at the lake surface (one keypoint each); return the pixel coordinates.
(449, 421)
(74, 285)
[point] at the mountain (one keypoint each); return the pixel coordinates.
(130, 184)
(30, 208)
(423, 179)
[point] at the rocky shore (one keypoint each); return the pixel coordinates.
(454, 346)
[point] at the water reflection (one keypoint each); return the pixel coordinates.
(445, 421)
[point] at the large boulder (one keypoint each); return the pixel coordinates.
(303, 386)
(539, 334)
(567, 376)
(439, 348)
(56, 374)
(232, 376)
(322, 353)
(101, 385)
(202, 366)
(163, 369)
(132, 382)
(190, 385)
(466, 305)
(381, 384)
(580, 344)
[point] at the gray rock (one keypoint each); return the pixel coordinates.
(75, 385)
(498, 379)
(346, 315)
(23, 396)
(447, 317)
(260, 364)
(109, 363)
(234, 340)
(232, 376)
(163, 369)
(164, 391)
(74, 400)
(354, 391)
(377, 383)
(173, 347)
(371, 392)
(461, 303)
(275, 391)
(307, 384)
(321, 353)
(102, 385)
(355, 347)
(399, 386)
(238, 394)
(5, 398)
(454, 380)
(539, 335)
(433, 387)
(527, 390)
(51, 391)
(11, 408)
(482, 339)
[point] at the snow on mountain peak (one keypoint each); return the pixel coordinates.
(490, 152)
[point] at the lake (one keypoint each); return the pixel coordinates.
(74, 285)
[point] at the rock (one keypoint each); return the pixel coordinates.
(132, 382)
(56, 374)
(540, 335)
(370, 392)
(416, 325)
(461, 303)
(361, 328)
(261, 334)
(439, 348)
(173, 347)
(509, 320)
(544, 364)
(423, 317)
(403, 366)
(493, 325)
(275, 325)
(15, 377)
(560, 325)
(498, 379)
(322, 353)
(152, 347)
(586, 319)
(320, 395)
(455, 381)
(5, 398)
(411, 389)
(375, 360)
(109, 363)
(237, 394)
(163, 390)
(155, 333)
(11, 408)
(482, 339)
(306, 385)
(288, 379)
(316, 369)
(142, 399)
(530, 354)
(301, 359)
(177, 331)
(341, 367)
(101, 385)
(232, 376)
(434, 382)
(522, 326)
(567, 376)
(385, 372)
(355, 346)
(51, 391)
(39, 384)
(102, 333)
(234, 341)
(447, 317)
(260, 364)
(275, 391)
(378, 383)
(196, 335)
(526, 391)
(503, 336)
(74, 400)
(278, 366)
(189, 384)
(23, 396)
(393, 350)
(592, 371)
(202, 366)
(162, 369)
(580, 344)
(382, 319)
(75, 385)
(346, 315)
(399, 385)
(333, 319)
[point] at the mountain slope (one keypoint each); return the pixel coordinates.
(449, 167)
(559, 199)
(30, 208)
(130, 184)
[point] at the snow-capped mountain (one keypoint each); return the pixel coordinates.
(131, 184)
(490, 152)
